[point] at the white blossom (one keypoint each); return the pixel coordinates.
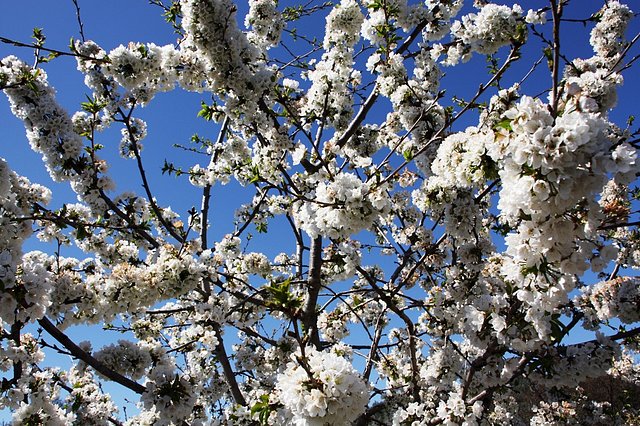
(327, 391)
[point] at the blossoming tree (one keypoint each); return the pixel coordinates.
(439, 270)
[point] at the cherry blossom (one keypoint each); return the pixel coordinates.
(395, 249)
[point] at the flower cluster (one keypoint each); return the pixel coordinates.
(618, 298)
(89, 404)
(321, 388)
(330, 95)
(143, 70)
(125, 357)
(51, 132)
(341, 207)
(170, 397)
(462, 160)
(265, 22)
(228, 159)
(491, 28)
(440, 14)
(42, 407)
(129, 287)
(608, 35)
(17, 195)
(414, 102)
(341, 260)
(230, 62)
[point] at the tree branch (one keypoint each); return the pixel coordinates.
(223, 358)
(54, 51)
(126, 119)
(80, 25)
(373, 96)
(309, 317)
(206, 192)
(556, 11)
(80, 354)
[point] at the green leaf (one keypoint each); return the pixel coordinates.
(375, 5)
(38, 36)
(263, 409)
(255, 175)
(281, 298)
(557, 328)
(548, 53)
(81, 233)
(505, 123)
(261, 227)
(50, 57)
(529, 270)
(92, 106)
(207, 112)
(521, 34)
(172, 13)
(77, 403)
(143, 50)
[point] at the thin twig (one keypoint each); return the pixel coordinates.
(80, 25)
(55, 51)
(373, 96)
(171, 229)
(622, 55)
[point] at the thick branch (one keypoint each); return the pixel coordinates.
(230, 377)
(314, 282)
(556, 10)
(206, 193)
(80, 354)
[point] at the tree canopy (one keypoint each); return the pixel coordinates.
(401, 253)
